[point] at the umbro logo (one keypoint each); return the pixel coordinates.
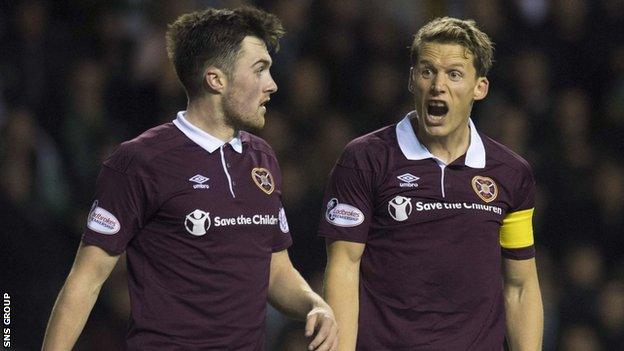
(408, 180)
(200, 180)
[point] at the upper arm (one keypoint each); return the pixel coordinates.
(516, 273)
(516, 232)
(123, 203)
(279, 262)
(340, 252)
(350, 193)
(342, 273)
(92, 265)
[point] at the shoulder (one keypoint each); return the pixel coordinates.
(257, 143)
(369, 151)
(501, 154)
(137, 153)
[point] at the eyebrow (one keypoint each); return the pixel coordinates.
(262, 61)
(427, 62)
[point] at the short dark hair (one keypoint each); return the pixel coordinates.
(213, 38)
(463, 32)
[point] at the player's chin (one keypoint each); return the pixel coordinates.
(260, 120)
(257, 122)
(438, 131)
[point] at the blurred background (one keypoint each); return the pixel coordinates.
(79, 77)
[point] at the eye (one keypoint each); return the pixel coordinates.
(426, 73)
(455, 76)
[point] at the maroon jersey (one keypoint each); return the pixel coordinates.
(430, 275)
(199, 220)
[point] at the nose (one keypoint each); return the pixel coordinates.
(437, 84)
(272, 87)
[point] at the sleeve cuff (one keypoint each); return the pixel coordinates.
(89, 240)
(523, 253)
(339, 236)
(283, 246)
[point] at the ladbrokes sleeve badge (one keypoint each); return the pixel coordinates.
(343, 215)
(102, 221)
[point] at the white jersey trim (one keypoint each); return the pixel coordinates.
(414, 150)
(203, 139)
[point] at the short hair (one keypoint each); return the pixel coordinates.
(463, 32)
(213, 37)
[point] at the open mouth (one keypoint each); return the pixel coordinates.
(437, 108)
(263, 105)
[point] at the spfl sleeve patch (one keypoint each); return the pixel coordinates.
(343, 215)
(102, 221)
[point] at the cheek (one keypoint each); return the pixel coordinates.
(464, 92)
(243, 97)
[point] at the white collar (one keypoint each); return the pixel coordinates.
(203, 139)
(414, 150)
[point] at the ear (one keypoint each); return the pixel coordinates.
(481, 89)
(215, 79)
(410, 82)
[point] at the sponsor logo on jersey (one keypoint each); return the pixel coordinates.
(408, 180)
(400, 208)
(343, 215)
(283, 222)
(263, 179)
(446, 206)
(200, 180)
(197, 222)
(485, 188)
(102, 221)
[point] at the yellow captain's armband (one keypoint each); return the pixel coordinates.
(517, 229)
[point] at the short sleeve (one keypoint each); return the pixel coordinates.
(282, 238)
(516, 232)
(347, 204)
(281, 235)
(118, 211)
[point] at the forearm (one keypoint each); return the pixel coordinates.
(291, 294)
(525, 316)
(69, 315)
(77, 297)
(341, 292)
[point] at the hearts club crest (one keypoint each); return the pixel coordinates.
(485, 188)
(263, 179)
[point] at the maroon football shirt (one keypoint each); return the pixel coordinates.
(199, 220)
(430, 276)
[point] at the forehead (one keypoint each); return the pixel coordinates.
(445, 54)
(253, 49)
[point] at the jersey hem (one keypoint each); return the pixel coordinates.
(340, 237)
(89, 241)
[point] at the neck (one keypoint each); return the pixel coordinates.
(447, 148)
(207, 114)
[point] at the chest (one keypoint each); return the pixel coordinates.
(220, 198)
(426, 192)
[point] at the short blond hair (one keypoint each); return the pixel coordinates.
(462, 32)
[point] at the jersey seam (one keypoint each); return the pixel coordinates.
(354, 168)
(150, 179)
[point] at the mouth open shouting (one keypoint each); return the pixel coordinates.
(436, 110)
(263, 105)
